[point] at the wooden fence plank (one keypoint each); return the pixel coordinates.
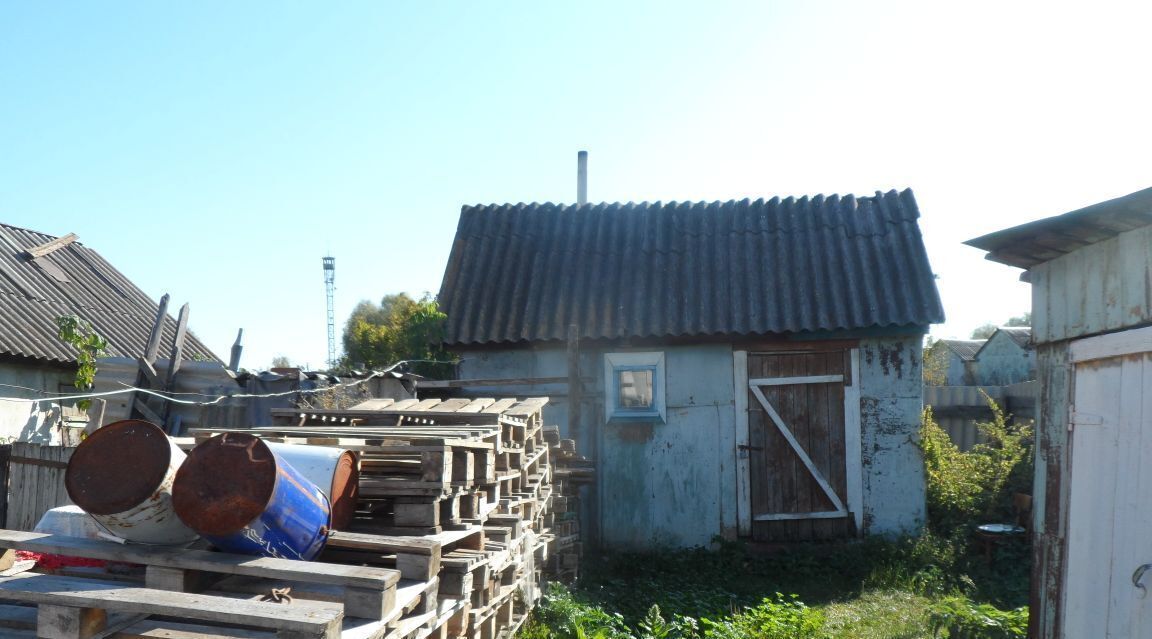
(36, 482)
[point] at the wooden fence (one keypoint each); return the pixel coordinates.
(957, 409)
(33, 475)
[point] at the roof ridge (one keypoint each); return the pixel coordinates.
(676, 203)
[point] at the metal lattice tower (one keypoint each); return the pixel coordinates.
(330, 289)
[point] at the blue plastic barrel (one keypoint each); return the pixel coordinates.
(242, 497)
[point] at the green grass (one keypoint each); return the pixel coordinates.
(872, 589)
(879, 614)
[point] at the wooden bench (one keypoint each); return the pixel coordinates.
(369, 592)
(75, 608)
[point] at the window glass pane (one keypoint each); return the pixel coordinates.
(635, 389)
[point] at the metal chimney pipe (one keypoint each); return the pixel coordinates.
(582, 177)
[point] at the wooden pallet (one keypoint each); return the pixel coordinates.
(472, 502)
(192, 585)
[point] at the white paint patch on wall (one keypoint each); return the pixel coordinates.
(891, 402)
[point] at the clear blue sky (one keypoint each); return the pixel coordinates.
(216, 151)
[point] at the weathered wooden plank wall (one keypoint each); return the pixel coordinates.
(1099, 288)
(36, 482)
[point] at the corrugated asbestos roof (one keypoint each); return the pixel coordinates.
(1030, 244)
(73, 279)
(1022, 335)
(524, 272)
(965, 349)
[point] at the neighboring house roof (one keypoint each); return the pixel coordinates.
(68, 278)
(1030, 244)
(1022, 335)
(965, 349)
(525, 272)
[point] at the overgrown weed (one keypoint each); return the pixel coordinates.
(936, 584)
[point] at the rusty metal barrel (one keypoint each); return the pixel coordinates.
(244, 498)
(333, 470)
(122, 475)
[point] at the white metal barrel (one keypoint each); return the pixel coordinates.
(122, 476)
(333, 470)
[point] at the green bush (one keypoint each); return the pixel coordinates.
(561, 616)
(779, 618)
(966, 489)
(964, 619)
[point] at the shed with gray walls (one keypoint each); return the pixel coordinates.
(1092, 326)
(1006, 357)
(752, 368)
(955, 359)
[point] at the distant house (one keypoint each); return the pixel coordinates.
(752, 368)
(954, 360)
(1006, 357)
(44, 277)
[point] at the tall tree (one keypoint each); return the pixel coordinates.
(935, 369)
(983, 332)
(1020, 320)
(399, 328)
(986, 331)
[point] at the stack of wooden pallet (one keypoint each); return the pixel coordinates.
(570, 471)
(456, 526)
(479, 471)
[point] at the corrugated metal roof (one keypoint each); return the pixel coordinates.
(1030, 244)
(73, 279)
(524, 272)
(965, 349)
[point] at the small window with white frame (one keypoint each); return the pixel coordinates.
(634, 385)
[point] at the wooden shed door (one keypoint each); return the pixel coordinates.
(1109, 541)
(798, 436)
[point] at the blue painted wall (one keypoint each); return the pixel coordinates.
(1002, 361)
(891, 400)
(674, 483)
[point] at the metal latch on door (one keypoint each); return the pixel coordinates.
(744, 448)
(1138, 576)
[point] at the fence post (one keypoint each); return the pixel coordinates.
(5, 472)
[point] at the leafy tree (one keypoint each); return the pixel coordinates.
(1020, 320)
(281, 361)
(935, 362)
(399, 328)
(986, 331)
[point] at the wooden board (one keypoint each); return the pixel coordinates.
(797, 444)
(81, 594)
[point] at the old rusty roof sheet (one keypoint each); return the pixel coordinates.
(525, 272)
(73, 279)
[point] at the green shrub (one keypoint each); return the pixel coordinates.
(966, 489)
(964, 619)
(779, 618)
(561, 616)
